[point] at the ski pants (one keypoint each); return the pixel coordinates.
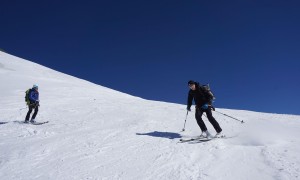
(31, 107)
(212, 120)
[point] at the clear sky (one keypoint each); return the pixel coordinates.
(248, 51)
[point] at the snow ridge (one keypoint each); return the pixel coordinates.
(99, 133)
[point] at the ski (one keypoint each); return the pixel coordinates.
(39, 123)
(191, 139)
(211, 138)
(206, 139)
(200, 139)
(36, 123)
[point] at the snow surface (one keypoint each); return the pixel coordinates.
(99, 133)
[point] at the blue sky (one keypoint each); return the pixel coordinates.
(248, 51)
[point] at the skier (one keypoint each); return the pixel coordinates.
(33, 96)
(202, 102)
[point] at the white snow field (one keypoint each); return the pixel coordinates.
(98, 133)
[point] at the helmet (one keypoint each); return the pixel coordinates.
(191, 82)
(35, 86)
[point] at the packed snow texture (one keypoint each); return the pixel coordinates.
(98, 133)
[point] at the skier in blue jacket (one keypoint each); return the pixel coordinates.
(34, 104)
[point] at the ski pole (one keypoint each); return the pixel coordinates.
(231, 117)
(187, 112)
(20, 111)
(23, 108)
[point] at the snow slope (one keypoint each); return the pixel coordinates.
(98, 133)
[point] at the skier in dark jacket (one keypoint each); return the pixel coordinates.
(203, 104)
(34, 104)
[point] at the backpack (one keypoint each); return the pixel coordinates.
(208, 94)
(27, 96)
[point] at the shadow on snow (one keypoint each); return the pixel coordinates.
(168, 135)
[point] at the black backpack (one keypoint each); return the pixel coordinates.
(207, 93)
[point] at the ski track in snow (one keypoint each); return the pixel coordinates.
(98, 133)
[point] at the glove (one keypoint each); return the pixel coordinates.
(213, 108)
(188, 108)
(205, 106)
